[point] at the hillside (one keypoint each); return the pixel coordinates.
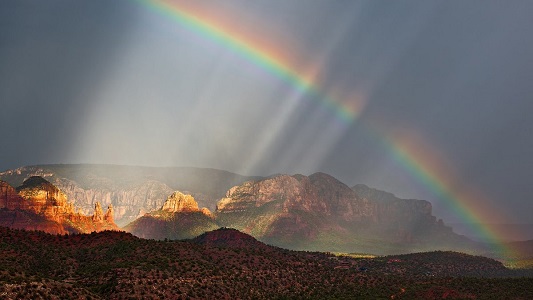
(117, 265)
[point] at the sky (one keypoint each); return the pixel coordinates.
(435, 93)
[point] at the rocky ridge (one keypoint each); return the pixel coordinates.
(316, 212)
(178, 202)
(319, 212)
(132, 191)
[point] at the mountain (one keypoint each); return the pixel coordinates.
(178, 218)
(226, 264)
(320, 213)
(132, 191)
(39, 205)
(315, 212)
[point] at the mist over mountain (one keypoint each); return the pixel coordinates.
(133, 191)
(315, 212)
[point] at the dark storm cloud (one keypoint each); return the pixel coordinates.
(464, 82)
(51, 54)
(114, 82)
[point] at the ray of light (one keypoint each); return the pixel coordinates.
(408, 154)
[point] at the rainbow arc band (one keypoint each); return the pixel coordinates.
(260, 57)
(399, 150)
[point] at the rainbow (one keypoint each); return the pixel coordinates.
(267, 59)
(422, 163)
(423, 167)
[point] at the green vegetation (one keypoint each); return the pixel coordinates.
(117, 265)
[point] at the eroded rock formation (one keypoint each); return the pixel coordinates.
(39, 205)
(178, 202)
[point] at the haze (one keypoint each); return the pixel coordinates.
(118, 82)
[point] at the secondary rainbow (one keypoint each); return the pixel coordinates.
(421, 168)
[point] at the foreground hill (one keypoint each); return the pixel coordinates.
(225, 264)
(133, 191)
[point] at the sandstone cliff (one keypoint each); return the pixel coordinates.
(39, 205)
(178, 202)
(315, 212)
(319, 194)
(45, 199)
(10, 199)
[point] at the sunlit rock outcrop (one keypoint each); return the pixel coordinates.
(178, 202)
(178, 218)
(39, 205)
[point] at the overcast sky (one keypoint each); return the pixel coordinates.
(122, 83)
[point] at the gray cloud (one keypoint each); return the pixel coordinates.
(116, 82)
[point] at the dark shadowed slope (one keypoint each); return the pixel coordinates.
(117, 265)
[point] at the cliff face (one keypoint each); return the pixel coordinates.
(39, 205)
(321, 213)
(319, 194)
(178, 202)
(129, 202)
(45, 199)
(10, 199)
